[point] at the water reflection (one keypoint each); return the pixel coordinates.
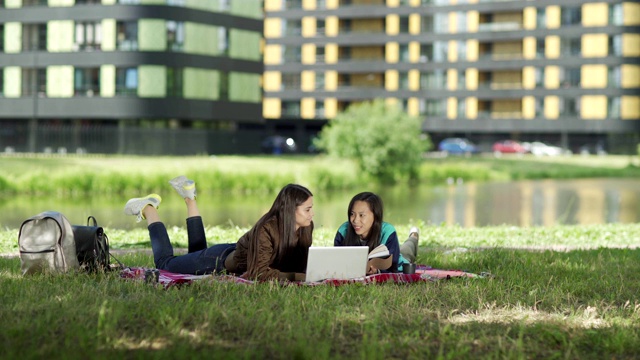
(521, 203)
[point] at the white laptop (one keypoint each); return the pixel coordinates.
(338, 262)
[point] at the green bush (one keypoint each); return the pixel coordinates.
(384, 141)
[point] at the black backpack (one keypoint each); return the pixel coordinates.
(92, 246)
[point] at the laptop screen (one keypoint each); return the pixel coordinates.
(339, 262)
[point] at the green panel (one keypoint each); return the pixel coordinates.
(60, 81)
(12, 37)
(61, 3)
(12, 4)
(244, 44)
(200, 84)
(107, 81)
(200, 39)
(12, 81)
(108, 35)
(152, 34)
(63, 39)
(247, 8)
(244, 87)
(153, 2)
(152, 81)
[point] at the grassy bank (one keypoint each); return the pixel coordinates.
(579, 304)
(77, 175)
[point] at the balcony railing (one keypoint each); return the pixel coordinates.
(499, 26)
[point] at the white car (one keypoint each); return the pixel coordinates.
(541, 149)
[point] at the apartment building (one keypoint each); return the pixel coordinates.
(130, 76)
(565, 72)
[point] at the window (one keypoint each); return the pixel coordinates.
(614, 77)
(181, 3)
(615, 45)
(319, 109)
(570, 46)
(432, 107)
(88, 36)
(225, 5)
(223, 86)
(539, 107)
(34, 81)
(127, 81)
(86, 81)
(292, 27)
(404, 52)
(129, 2)
(440, 51)
(321, 4)
(1, 37)
(34, 37)
(319, 81)
(88, 2)
(540, 46)
(127, 35)
(613, 107)
(175, 80)
(570, 16)
(1, 82)
(435, 79)
(462, 108)
(441, 23)
(175, 35)
(461, 22)
(223, 41)
(291, 81)
(292, 4)
(615, 14)
(541, 18)
(320, 26)
(34, 2)
(291, 53)
(462, 51)
(462, 80)
(539, 76)
(427, 24)
(570, 106)
(404, 24)
(404, 80)
(570, 77)
(290, 108)
(319, 54)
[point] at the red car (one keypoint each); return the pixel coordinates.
(508, 146)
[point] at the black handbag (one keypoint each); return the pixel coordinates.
(92, 246)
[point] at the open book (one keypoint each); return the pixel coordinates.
(380, 258)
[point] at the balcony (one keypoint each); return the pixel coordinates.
(500, 26)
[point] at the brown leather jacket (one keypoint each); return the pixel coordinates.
(268, 267)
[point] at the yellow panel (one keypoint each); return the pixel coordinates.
(631, 13)
(594, 45)
(331, 26)
(12, 37)
(309, 4)
(414, 24)
(473, 47)
(471, 79)
(551, 107)
(272, 28)
(472, 108)
(331, 80)
(308, 108)
(308, 80)
(453, 22)
(473, 21)
(392, 50)
(393, 3)
(452, 108)
(630, 76)
(593, 76)
(107, 80)
(272, 54)
(595, 14)
(108, 35)
(630, 44)
(452, 79)
(529, 18)
(333, 4)
(413, 107)
(391, 101)
(593, 107)
(529, 47)
(272, 81)
(12, 4)
(393, 24)
(308, 26)
(528, 77)
(273, 5)
(528, 107)
(630, 107)
(452, 54)
(308, 54)
(391, 80)
(330, 108)
(552, 47)
(414, 80)
(414, 52)
(271, 108)
(331, 53)
(553, 17)
(552, 77)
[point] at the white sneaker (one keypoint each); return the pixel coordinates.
(185, 187)
(414, 230)
(134, 206)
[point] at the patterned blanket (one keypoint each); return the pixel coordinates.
(423, 273)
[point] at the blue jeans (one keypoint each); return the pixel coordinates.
(198, 261)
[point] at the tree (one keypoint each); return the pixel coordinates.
(385, 142)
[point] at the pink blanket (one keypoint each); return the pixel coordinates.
(423, 274)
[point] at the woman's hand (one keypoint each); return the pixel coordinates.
(372, 270)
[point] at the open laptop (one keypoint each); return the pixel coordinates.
(339, 262)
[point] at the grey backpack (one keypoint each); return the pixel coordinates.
(47, 244)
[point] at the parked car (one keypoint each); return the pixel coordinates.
(508, 147)
(457, 146)
(279, 145)
(538, 148)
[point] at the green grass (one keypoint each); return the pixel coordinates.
(80, 175)
(577, 304)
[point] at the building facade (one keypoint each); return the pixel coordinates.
(565, 72)
(130, 76)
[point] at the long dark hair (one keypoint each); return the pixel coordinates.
(373, 238)
(284, 211)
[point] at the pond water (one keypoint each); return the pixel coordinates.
(519, 203)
